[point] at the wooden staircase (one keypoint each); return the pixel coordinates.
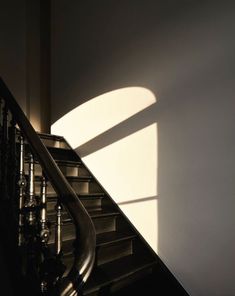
(124, 261)
(62, 234)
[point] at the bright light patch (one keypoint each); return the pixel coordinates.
(102, 113)
(128, 168)
(144, 215)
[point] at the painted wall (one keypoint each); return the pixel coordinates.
(183, 52)
(13, 47)
(22, 57)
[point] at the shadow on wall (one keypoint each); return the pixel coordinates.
(116, 136)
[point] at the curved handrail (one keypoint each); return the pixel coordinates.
(85, 231)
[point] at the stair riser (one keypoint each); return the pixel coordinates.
(89, 204)
(68, 232)
(74, 171)
(55, 143)
(79, 187)
(65, 154)
(50, 189)
(122, 283)
(37, 169)
(85, 187)
(67, 246)
(114, 251)
(68, 171)
(92, 204)
(135, 277)
(104, 254)
(105, 224)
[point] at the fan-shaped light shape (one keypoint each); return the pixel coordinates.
(102, 113)
(126, 167)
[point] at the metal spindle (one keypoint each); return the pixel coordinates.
(22, 187)
(12, 164)
(4, 154)
(43, 215)
(58, 228)
(31, 201)
(1, 168)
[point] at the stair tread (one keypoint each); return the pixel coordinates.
(61, 153)
(68, 162)
(91, 195)
(97, 214)
(102, 213)
(71, 178)
(82, 196)
(79, 178)
(93, 214)
(106, 238)
(116, 270)
(102, 239)
(50, 136)
(74, 163)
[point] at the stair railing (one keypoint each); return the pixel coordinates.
(16, 200)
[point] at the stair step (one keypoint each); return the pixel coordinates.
(53, 141)
(68, 231)
(84, 184)
(110, 246)
(63, 154)
(103, 213)
(104, 239)
(104, 221)
(90, 201)
(72, 168)
(80, 178)
(80, 184)
(50, 136)
(112, 276)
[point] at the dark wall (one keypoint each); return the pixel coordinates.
(113, 44)
(183, 51)
(13, 47)
(25, 56)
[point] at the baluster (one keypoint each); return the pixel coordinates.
(31, 201)
(12, 166)
(43, 215)
(1, 167)
(58, 228)
(22, 187)
(4, 155)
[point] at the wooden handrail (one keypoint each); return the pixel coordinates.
(85, 232)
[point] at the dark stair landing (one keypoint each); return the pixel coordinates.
(125, 264)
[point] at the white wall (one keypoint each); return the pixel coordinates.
(183, 51)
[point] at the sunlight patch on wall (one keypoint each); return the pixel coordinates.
(144, 215)
(128, 168)
(102, 113)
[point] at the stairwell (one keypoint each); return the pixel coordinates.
(124, 261)
(62, 233)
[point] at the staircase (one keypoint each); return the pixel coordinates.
(124, 261)
(121, 254)
(67, 235)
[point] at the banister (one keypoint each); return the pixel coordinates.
(85, 232)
